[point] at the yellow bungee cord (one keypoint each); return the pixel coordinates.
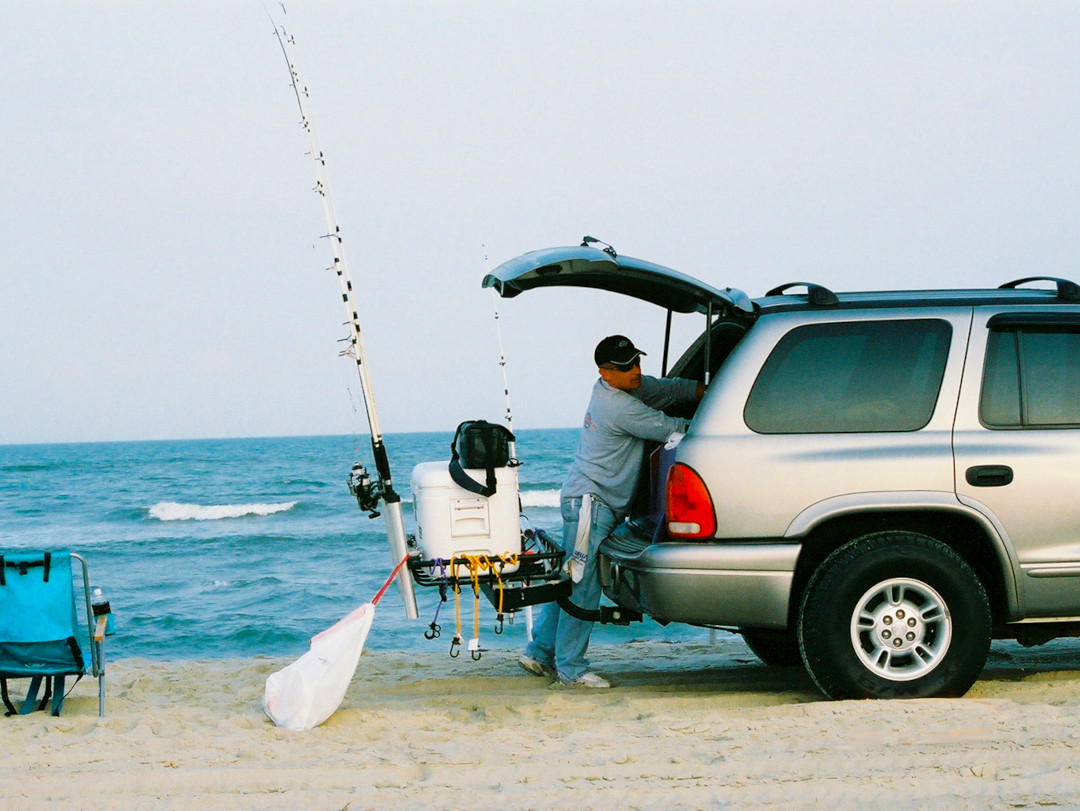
(476, 565)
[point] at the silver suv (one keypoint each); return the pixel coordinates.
(875, 485)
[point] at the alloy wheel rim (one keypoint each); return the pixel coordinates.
(901, 629)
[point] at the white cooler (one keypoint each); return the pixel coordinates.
(451, 521)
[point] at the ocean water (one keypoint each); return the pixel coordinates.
(241, 547)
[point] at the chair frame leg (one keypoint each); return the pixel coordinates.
(29, 703)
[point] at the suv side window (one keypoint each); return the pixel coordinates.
(1031, 378)
(851, 377)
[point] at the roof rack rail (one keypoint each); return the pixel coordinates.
(818, 295)
(1070, 291)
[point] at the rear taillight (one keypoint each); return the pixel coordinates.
(690, 512)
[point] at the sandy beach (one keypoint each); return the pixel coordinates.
(687, 726)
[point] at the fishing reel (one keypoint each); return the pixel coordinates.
(366, 491)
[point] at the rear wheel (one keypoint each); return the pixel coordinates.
(775, 648)
(894, 615)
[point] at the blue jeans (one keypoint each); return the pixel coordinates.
(558, 638)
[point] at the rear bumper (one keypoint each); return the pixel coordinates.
(731, 585)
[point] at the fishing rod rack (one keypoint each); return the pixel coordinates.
(509, 581)
(531, 577)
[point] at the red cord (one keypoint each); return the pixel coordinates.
(389, 580)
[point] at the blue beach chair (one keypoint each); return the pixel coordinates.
(41, 637)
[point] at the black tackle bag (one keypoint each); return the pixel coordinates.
(479, 445)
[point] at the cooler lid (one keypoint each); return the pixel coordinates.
(603, 269)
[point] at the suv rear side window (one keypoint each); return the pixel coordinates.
(852, 377)
(1031, 378)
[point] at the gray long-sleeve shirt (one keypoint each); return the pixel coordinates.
(617, 424)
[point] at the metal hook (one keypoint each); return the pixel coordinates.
(454, 645)
(433, 632)
(499, 626)
(476, 654)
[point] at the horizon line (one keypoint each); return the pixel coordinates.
(365, 435)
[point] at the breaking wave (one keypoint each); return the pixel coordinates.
(172, 511)
(540, 498)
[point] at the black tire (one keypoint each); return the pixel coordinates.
(894, 615)
(774, 648)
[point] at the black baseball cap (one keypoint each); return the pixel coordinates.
(616, 349)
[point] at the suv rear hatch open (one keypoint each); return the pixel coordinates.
(603, 269)
(727, 312)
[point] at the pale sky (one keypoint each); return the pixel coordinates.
(163, 275)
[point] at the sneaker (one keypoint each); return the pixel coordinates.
(536, 667)
(589, 679)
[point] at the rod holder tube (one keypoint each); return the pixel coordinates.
(395, 531)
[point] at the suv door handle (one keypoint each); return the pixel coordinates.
(989, 475)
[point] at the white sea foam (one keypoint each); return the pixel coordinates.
(172, 511)
(540, 498)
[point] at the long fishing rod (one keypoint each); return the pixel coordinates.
(509, 417)
(367, 492)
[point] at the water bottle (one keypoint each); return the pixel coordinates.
(102, 608)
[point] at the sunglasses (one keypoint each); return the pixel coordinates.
(622, 367)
